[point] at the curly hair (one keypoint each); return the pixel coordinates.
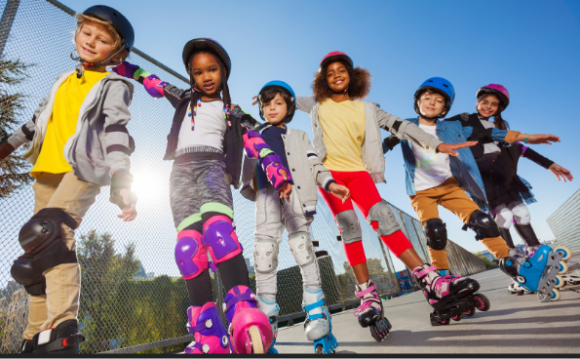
(358, 88)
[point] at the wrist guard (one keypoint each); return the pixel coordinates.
(121, 180)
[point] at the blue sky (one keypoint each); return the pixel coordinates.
(531, 47)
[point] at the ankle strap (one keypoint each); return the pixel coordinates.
(362, 293)
(423, 272)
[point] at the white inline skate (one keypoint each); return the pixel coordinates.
(318, 325)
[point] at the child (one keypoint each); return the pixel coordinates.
(347, 140)
(434, 180)
(206, 142)
(277, 105)
(75, 150)
(507, 193)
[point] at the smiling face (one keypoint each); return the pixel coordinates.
(275, 110)
(207, 74)
(487, 105)
(337, 77)
(94, 43)
(432, 104)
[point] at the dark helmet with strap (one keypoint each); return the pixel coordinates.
(119, 23)
(439, 85)
(206, 44)
(281, 85)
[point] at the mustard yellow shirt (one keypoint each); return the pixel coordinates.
(343, 132)
(63, 122)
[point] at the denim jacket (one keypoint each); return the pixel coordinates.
(464, 168)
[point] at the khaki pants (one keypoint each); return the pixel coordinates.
(453, 198)
(63, 282)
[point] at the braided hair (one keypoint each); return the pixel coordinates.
(500, 123)
(196, 93)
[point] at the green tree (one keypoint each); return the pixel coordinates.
(14, 169)
(485, 260)
(105, 305)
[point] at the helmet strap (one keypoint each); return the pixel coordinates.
(83, 63)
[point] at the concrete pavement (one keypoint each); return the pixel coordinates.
(513, 325)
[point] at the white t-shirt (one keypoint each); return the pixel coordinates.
(491, 146)
(210, 128)
(431, 168)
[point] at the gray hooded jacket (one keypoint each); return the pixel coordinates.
(372, 148)
(101, 145)
(306, 169)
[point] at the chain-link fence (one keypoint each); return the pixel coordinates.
(132, 297)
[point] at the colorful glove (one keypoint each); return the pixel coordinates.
(121, 180)
(153, 85)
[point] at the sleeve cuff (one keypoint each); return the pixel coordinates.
(511, 136)
(328, 184)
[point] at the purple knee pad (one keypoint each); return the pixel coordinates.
(190, 254)
(220, 237)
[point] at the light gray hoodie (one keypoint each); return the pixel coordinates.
(372, 148)
(101, 145)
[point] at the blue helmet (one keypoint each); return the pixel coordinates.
(440, 85)
(284, 87)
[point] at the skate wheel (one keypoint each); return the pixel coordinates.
(444, 322)
(520, 292)
(565, 251)
(469, 312)
(481, 302)
(562, 268)
(319, 349)
(256, 339)
(555, 295)
(457, 317)
(510, 292)
(559, 281)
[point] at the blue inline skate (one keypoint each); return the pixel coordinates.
(318, 325)
(272, 310)
(540, 273)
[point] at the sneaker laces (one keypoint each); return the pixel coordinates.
(367, 302)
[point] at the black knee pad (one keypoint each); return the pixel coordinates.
(436, 233)
(27, 270)
(43, 229)
(483, 225)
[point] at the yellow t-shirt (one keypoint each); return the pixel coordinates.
(343, 131)
(63, 122)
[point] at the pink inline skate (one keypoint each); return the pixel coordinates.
(250, 329)
(211, 337)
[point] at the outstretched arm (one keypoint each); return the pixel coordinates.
(153, 84)
(270, 162)
(406, 130)
(559, 171)
(494, 134)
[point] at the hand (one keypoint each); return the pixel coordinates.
(449, 148)
(255, 98)
(128, 212)
(285, 188)
(339, 191)
(560, 171)
(541, 139)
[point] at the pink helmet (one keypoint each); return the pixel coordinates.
(333, 56)
(498, 90)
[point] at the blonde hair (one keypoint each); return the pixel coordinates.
(117, 40)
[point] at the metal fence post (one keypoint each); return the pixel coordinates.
(6, 22)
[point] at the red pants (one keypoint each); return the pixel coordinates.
(364, 193)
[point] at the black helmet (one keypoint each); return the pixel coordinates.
(210, 44)
(119, 22)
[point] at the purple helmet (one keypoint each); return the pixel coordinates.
(498, 90)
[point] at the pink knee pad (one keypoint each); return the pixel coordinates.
(220, 236)
(190, 254)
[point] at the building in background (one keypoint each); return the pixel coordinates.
(565, 223)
